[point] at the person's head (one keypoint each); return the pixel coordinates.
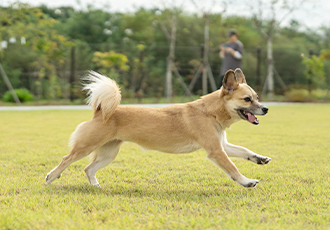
(232, 35)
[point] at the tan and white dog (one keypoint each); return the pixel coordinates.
(180, 128)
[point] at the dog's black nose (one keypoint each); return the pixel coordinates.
(264, 109)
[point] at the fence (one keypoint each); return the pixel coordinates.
(148, 80)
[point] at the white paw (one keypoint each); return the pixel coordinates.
(260, 160)
(251, 183)
(264, 160)
(51, 177)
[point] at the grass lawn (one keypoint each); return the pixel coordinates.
(153, 190)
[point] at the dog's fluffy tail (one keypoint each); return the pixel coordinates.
(103, 94)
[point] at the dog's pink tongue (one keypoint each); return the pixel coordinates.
(251, 117)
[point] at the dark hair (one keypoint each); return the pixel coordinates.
(232, 32)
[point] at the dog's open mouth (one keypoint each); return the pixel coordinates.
(246, 115)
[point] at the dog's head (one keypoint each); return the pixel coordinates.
(241, 100)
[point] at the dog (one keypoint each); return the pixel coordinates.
(178, 128)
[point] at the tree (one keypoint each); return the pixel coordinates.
(314, 69)
(206, 69)
(171, 37)
(46, 49)
(41, 64)
(110, 63)
(277, 11)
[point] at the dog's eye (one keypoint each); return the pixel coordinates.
(247, 99)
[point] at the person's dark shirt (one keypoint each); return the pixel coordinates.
(229, 61)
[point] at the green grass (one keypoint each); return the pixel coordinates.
(153, 190)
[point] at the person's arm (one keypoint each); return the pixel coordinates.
(234, 53)
(222, 52)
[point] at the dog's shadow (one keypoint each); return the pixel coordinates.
(141, 192)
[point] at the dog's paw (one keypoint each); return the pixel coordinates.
(260, 160)
(251, 183)
(263, 160)
(50, 178)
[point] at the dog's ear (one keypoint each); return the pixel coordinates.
(240, 76)
(229, 81)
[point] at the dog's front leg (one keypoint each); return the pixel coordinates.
(241, 152)
(220, 158)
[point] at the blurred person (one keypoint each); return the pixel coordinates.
(231, 53)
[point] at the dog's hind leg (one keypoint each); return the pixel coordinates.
(76, 154)
(85, 139)
(102, 157)
(241, 152)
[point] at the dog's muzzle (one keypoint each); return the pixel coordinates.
(247, 114)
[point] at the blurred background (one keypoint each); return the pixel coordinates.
(161, 51)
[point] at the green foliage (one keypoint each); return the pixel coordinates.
(14, 76)
(314, 69)
(297, 95)
(325, 54)
(303, 95)
(50, 34)
(110, 63)
(23, 95)
(90, 25)
(45, 49)
(111, 60)
(152, 190)
(85, 54)
(141, 47)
